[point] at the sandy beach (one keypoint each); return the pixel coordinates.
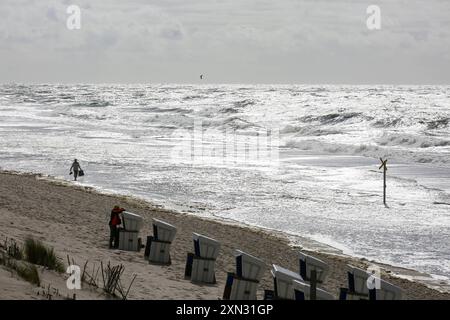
(73, 219)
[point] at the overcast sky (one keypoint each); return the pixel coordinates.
(239, 41)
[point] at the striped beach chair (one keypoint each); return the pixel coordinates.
(129, 233)
(282, 284)
(157, 249)
(242, 285)
(200, 265)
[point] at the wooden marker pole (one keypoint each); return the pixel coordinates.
(384, 166)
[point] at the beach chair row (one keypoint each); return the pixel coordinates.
(362, 285)
(243, 282)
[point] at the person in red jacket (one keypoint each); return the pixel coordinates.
(114, 223)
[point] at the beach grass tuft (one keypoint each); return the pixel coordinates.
(14, 250)
(28, 272)
(38, 253)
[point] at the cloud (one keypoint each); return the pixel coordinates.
(231, 41)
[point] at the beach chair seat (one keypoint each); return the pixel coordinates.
(283, 282)
(200, 266)
(243, 284)
(159, 252)
(309, 263)
(237, 288)
(129, 240)
(157, 249)
(302, 291)
(200, 270)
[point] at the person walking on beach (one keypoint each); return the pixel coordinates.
(75, 168)
(114, 223)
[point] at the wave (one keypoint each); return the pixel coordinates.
(238, 123)
(229, 110)
(331, 118)
(368, 150)
(193, 97)
(438, 124)
(89, 117)
(244, 103)
(237, 105)
(387, 122)
(166, 110)
(92, 104)
(66, 97)
(409, 140)
(231, 122)
(333, 148)
(308, 131)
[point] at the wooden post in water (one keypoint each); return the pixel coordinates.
(313, 285)
(384, 166)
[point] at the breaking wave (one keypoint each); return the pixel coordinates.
(412, 141)
(244, 103)
(331, 118)
(411, 123)
(438, 124)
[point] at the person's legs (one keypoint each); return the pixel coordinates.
(75, 174)
(116, 238)
(111, 236)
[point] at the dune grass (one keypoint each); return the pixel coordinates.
(13, 249)
(38, 253)
(28, 272)
(23, 259)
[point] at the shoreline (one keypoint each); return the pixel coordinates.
(269, 245)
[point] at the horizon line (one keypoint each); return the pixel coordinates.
(224, 83)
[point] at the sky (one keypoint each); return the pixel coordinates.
(239, 41)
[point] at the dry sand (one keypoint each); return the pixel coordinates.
(73, 219)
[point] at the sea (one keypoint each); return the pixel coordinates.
(297, 160)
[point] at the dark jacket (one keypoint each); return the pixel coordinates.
(115, 217)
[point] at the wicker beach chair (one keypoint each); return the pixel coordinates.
(359, 290)
(157, 249)
(282, 284)
(129, 233)
(200, 265)
(242, 284)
